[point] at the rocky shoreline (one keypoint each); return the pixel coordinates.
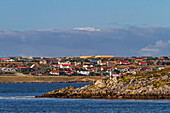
(100, 94)
(154, 85)
(101, 90)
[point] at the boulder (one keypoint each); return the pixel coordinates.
(165, 77)
(100, 83)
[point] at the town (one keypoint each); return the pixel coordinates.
(100, 65)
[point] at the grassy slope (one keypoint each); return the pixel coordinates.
(157, 75)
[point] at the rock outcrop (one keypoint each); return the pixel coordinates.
(125, 87)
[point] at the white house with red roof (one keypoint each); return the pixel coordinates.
(65, 66)
(123, 62)
(105, 68)
(7, 60)
(64, 62)
(142, 63)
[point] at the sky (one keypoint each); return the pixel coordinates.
(84, 27)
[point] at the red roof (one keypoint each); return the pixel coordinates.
(132, 68)
(123, 61)
(115, 73)
(145, 68)
(122, 73)
(55, 65)
(120, 58)
(143, 62)
(89, 67)
(66, 65)
(139, 59)
(106, 67)
(21, 67)
(5, 58)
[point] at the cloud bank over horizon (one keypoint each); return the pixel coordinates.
(136, 41)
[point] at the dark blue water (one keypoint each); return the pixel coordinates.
(19, 98)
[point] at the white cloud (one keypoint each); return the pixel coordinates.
(155, 49)
(87, 29)
(66, 42)
(161, 44)
(168, 41)
(146, 49)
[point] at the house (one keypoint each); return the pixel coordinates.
(89, 68)
(110, 63)
(4, 59)
(122, 69)
(160, 68)
(139, 59)
(88, 65)
(8, 70)
(54, 72)
(105, 69)
(142, 63)
(37, 73)
(93, 62)
(131, 72)
(102, 62)
(113, 73)
(65, 66)
(83, 72)
(69, 72)
(133, 69)
(35, 57)
(64, 62)
(123, 62)
(163, 57)
(76, 63)
(44, 61)
(9, 60)
(56, 65)
(24, 69)
(145, 69)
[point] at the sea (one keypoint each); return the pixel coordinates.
(19, 98)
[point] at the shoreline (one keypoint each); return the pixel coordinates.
(126, 99)
(49, 79)
(108, 96)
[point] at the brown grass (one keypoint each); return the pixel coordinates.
(48, 79)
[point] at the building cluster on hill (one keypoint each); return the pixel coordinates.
(100, 65)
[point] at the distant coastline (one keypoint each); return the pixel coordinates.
(49, 79)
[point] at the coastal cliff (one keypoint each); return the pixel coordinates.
(151, 85)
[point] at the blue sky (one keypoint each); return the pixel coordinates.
(84, 27)
(66, 14)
